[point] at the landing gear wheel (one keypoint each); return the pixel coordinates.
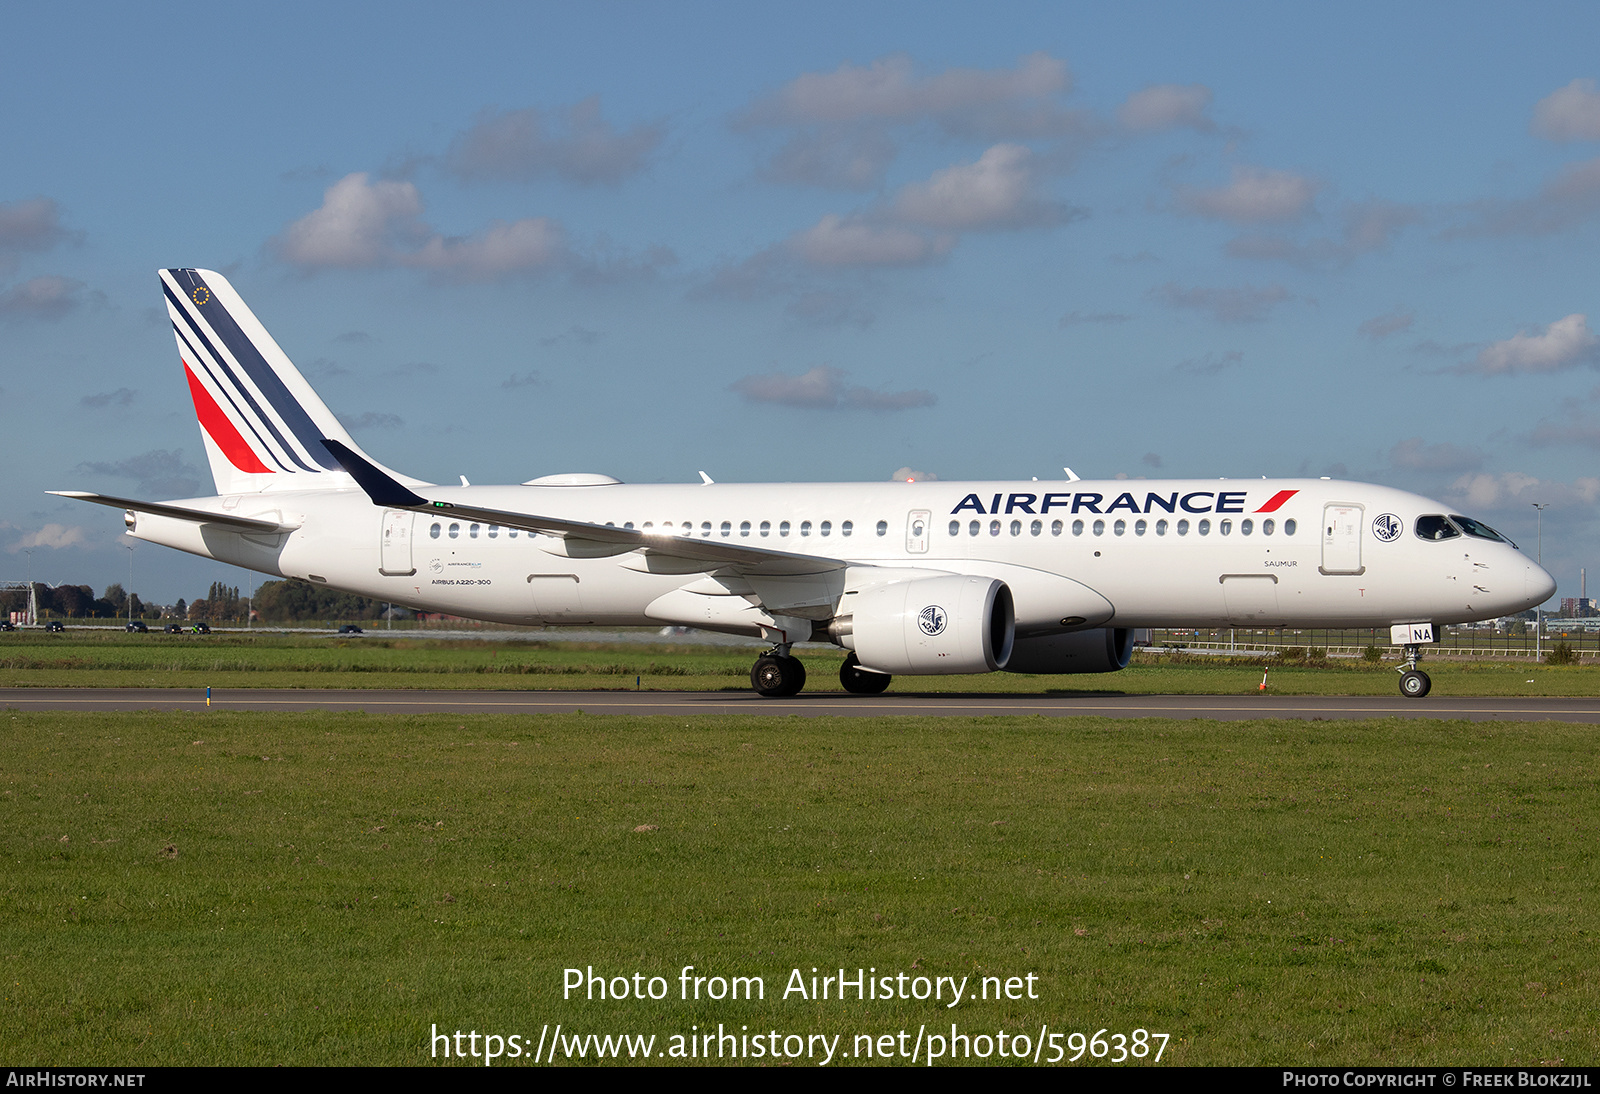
(858, 681)
(1415, 684)
(777, 677)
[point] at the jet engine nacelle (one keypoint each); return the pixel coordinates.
(925, 626)
(1104, 649)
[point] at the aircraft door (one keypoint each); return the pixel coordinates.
(917, 525)
(1341, 539)
(395, 555)
(556, 598)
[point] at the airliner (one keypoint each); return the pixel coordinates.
(913, 578)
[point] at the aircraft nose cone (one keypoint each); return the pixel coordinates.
(1540, 585)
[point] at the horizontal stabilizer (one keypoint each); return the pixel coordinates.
(178, 512)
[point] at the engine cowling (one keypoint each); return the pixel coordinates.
(925, 626)
(1104, 649)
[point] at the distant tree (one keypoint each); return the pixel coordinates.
(180, 610)
(116, 596)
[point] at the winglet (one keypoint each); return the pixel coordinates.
(379, 487)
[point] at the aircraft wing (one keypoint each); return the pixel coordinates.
(179, 512)
(755, 561)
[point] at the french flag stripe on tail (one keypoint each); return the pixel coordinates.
(228, 381)
(221, 430)
(227, 389)
(239, 366)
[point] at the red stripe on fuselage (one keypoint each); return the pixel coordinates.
(221, 430)
(1277, 499)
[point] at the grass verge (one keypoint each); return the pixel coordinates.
(229, 888)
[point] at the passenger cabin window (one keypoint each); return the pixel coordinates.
(1246, 527)
(972, 529)
(1204, 528)
(1267, 526)
(727, 529)
(883, 527)
(1120, 527)
(826, 528)
(1288, 527)
(955, 527)
(1036, 527)
(847, 527)
(1161, 527)
(994, 528)
(783, 528)
(766, 526)
(805, 528)
(1183, 527)
(1055, 528)
(1099, 527)
(1077, 527)
(1138, 527)
(494, 531)
(434, 532)
(744, 528)
(455, 530)
(1225, 527)
(1016, 527)
(1435, 526)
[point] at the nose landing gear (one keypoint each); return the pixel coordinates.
(1414, 683)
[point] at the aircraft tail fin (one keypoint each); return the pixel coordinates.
(261, 422)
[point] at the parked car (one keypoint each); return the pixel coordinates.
(351, 628)
(137, 626)
(7, 625)
(55, 625)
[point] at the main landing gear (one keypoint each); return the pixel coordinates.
(1414, 683)
(858, 681)
(777, 675)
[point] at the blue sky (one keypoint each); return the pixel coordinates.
(814, 242)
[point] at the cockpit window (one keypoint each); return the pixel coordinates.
(1479, 529)
(1436, 527)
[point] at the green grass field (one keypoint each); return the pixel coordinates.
(83, 658)
(227, 888)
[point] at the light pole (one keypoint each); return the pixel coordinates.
(1538, 611)
(129, 548)
(33, 603)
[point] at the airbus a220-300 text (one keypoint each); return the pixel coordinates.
(912, 578)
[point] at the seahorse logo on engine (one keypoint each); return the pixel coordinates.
(932, 620)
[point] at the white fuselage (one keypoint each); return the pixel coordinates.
(1309, 553)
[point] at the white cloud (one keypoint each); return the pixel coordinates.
(1413, 455)
(520, 146)
(159, 472)
(366, 224)
(360, 223)
(51, 535)
(1567, 200)
(499, 250)
(1246, 304)
(844, 158)
(838, 241)
(47, 297)
(889, 90)
(1167, 106)
(1569, 114)
(911, 474)
(1515, 491)
(1253, 196)
(1381, 326)
(824, 388)
(997, 191)
(28, 226)
(1563, 344)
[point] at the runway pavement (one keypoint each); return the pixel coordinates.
(1104, 704)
